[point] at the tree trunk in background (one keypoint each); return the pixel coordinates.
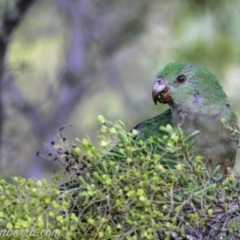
(80, 66)
(9, 24)
(73, 84)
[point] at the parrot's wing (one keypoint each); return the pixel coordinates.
(151, 126)
(151, 129)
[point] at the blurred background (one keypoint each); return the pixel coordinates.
(67, 61)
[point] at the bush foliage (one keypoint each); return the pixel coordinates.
(134, 191)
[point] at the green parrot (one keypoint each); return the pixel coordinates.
(197, 103)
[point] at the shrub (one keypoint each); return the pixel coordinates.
(138, 190)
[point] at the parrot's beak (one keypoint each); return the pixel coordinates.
(160, 93)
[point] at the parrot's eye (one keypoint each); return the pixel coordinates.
(181, 78)
(159, 81)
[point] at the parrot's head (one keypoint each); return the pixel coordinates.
(187, 85)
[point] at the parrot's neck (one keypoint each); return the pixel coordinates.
(182, 113)
(193, 108)
(192, 119)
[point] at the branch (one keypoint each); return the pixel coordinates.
(9, 24)
(85, 30)
(28, 110)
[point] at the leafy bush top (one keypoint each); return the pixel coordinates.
(138, 190)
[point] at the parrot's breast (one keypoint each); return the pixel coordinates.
(215, 141)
